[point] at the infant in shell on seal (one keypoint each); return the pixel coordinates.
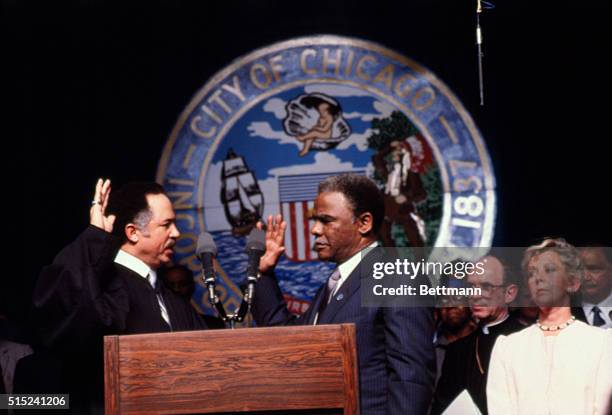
(316, 120)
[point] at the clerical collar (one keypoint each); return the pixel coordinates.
(137, 265)
(485, 327)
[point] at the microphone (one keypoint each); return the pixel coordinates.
(206, 250)
(255, 248)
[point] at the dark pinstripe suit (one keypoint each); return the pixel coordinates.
(394, 345)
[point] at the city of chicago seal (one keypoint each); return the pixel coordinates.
(264, 131)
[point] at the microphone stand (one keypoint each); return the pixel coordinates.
(255, 247)
(480, 54)
(245, 305)
(480, 6)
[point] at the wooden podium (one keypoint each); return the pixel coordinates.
(298, 368)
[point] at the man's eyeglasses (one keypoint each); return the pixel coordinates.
(486, 288)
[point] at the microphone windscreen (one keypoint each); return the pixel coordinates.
(256, 240)
(206, 245)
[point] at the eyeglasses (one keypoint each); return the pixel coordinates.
(486, 288)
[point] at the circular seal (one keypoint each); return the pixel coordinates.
(264, 131)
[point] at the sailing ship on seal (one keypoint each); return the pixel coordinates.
(240, 194)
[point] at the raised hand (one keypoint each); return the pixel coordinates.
(98, 206)
(275, 242)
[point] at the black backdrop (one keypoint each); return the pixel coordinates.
(99, 86)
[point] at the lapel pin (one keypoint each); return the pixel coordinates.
(339, 297)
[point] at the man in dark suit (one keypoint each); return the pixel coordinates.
(596, 287)
(105, 282)
(394, 344)
(466, 363)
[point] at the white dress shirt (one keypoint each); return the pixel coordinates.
(606, 308)
(348, 266)
(139, 267)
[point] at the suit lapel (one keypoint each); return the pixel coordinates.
(350, 287)
(169, 304)
(314, 307)
(578, 311)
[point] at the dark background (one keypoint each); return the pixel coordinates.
(95, 87)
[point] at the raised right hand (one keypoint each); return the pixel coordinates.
(275, 243)
(98, 206)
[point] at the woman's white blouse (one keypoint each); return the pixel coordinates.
(570, 373)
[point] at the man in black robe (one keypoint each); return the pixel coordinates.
(466, 362)
(105, 282)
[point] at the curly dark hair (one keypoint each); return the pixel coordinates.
(129, 205)
(362, 194)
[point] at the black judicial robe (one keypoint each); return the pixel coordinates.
(83, 296)
(460, 369)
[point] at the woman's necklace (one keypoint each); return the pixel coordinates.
(556, 327)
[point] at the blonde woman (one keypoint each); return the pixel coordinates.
(558, 365)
